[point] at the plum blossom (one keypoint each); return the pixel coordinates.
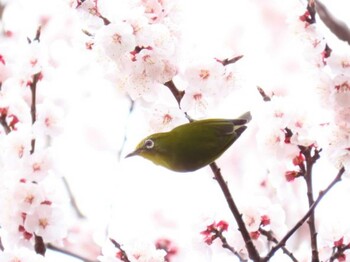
(136, 252)
(29, 196)
(286, 125)
(47, 222)
(339, 62)
(334, 235)
(165, 118)
(49, 119)
(338, 148)
(117, 40)
(206, 82)
(340, 93)
(21, 255)
(37, 166)
(17, 144)
(143, 48)
(264, 214)
(312, 41)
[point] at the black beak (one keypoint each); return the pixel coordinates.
(134, 153)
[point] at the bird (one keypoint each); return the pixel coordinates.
(191, 146)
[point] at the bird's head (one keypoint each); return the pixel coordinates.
(151, 148)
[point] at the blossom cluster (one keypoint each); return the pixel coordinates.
(31, 115)
(310, 118)
(65, 50)
(133, 252)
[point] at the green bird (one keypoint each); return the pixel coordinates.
(192, 146)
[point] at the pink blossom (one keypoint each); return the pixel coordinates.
(46, 222)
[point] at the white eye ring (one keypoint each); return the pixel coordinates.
(149, 143)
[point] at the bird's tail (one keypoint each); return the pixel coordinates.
(246, 116)
(243, 119)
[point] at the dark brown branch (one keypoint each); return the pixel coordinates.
(33, 86)
(310, 161)
(104, 19)
(233, 60)
(337, 27)
(252, 252)
(270, 237)
(1, 10)
(4, 124)
(123, 255)
(265, 97)
(176, 92)
(98, 14)
(69, 253)
(305, 217)
(226, 245)
(339, 253)
(39, 245)
(311, 8)
(37, 35)
(1, 245)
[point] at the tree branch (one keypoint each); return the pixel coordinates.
(122, 255)
(176, 92)
(69, 253)
(131, 109)
(39, 245)
(72, 199)
(252, 252)
(270, 237)
(338, 253)
(2, 7)
(227, 61)
(311, 8)
(305, 217)
(226, 245)
(1, 245)
(265, 97)
(337, 27)
(4, 124)
(33, 86)
(310, 161)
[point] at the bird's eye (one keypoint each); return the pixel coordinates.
(149, 144)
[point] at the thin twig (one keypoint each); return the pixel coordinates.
(37, 35)
(226, 245)
(252, 252)
(228, 61)
(338, 253)
(1, 245)
(72, 199)
(265, 97)
(178, 94)
(33, 86)
(305, 217)
(98, 14)
(122, 256)
(4, 124)
(69, 253)
(311, 8)
(270, 237)
(310, 161)
(1, 10)
(131, 109)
